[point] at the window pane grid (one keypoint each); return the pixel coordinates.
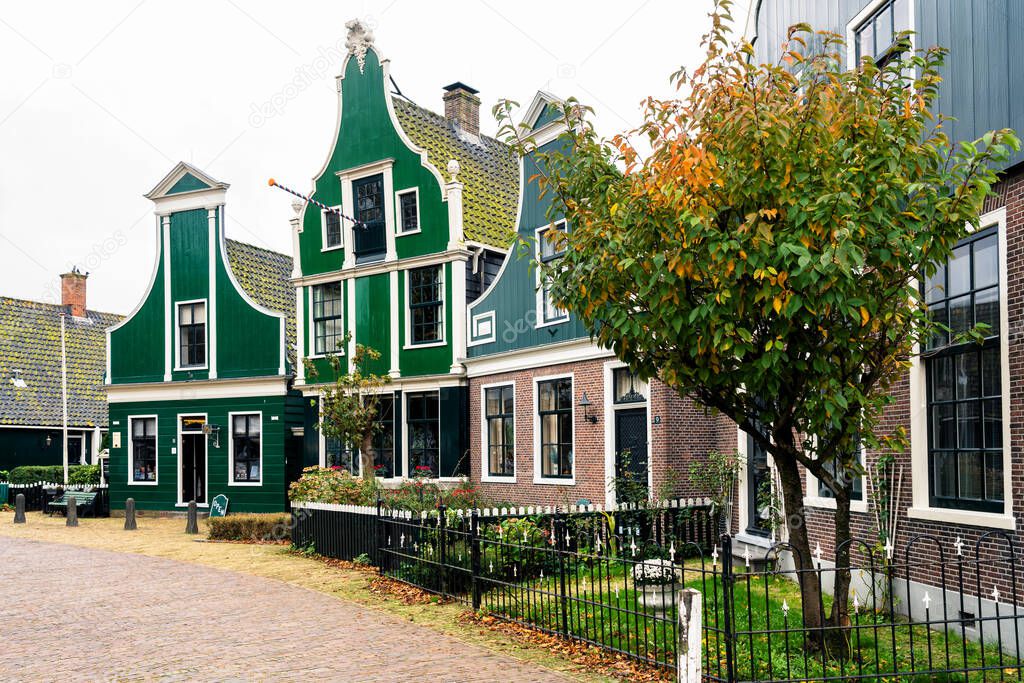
(426, 304)
(964, 384)
(407, 205)
(245, 443)
(550, 251)
(328, 330)
(332, 225)
(192, 335)
(554, 407)
(424, 433)
(499, 407)
(143, 449)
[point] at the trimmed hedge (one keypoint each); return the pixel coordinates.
(250, 527)
(51, 474)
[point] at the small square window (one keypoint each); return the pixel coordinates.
(408, 207)
(332, 229)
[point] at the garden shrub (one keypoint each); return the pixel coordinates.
(333, 485)
(49, 474)
(84, 474)
(249, 527)
(519, 551)
(4, 475)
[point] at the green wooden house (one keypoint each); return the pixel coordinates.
(198, 375)
(427, 206)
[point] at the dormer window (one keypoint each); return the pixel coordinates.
(550, 250)
(876, 35)
(191, 335)
(408, 211)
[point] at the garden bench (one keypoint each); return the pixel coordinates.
(85, 501)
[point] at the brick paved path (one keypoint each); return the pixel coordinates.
(151, 618)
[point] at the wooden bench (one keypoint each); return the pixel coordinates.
(85, 502)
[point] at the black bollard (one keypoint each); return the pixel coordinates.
(19, 509)
(72, 511)
(193, 524)
(129, 515)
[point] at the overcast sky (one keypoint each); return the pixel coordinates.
(99, 101)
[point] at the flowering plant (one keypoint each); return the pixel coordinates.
(332, 485)
(655, 573)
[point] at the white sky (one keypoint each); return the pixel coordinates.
(99, 100)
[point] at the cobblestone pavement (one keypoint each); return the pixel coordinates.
(69, 613)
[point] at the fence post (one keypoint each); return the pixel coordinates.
(192, 524)
(689, 653)
(474, 556)
(727, 608)
(560, 549)
(378, 525)
(442, 551)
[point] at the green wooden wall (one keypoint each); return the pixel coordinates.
(367, 134)
(270, 496)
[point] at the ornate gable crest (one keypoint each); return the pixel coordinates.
(359, 40)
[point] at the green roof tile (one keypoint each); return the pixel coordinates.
(489, 172)
(30, 344)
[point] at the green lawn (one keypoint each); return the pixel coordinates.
(601, 606)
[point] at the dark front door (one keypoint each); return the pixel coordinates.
(631, 451)
(193, 468)
(758, 489)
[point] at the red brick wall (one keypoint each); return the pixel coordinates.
(685, 434)
(1009, 192)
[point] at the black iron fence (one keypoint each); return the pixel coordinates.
(39, 495)
(612, 579)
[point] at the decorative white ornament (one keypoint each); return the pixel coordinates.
(358, 41)
(927, 600)
(453, 169)
(856, 604)
(714, 557)
(817, 551)
(785, 607)
(746, 556)
(959, 546)
(995, 594)
(672, 551)
(888, 549)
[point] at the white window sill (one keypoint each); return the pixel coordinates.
(553, 481)
(497, 479)
(192, 368)
(431, 345)
(417, 231)
(337, 248)
(142, 483)
(987, 520)
(185, 505)
(549, 323)
(754, 540)
(830, 503)
(245, 483)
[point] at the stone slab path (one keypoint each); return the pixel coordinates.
(70, 613)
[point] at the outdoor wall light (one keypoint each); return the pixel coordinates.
(585, 404)
(49, 440)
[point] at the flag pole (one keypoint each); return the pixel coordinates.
(64, 392)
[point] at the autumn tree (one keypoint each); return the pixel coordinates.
(765, 255)
(350, 404)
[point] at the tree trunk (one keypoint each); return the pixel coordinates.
(807, 576)
(839, 620)
(367, 456)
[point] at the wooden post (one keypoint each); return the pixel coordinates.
(192, 526)
(129, 515)
(689, 652)
(72, 511)
(19, 508)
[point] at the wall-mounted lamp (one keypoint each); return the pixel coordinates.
(585, 404)
(49, 440)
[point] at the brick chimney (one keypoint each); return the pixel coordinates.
(72, 291)
(462, 107)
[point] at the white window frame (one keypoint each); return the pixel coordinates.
(408, 308)
(177, 335)
(812, 499)
(862, 16)
(542, 321)
(131, 450)
(610, 408)
(483, 328)
(485, 452)
(538, 477)
(323, 231)
(206, 459)
(921, 507)
(80, 437)
(312, 355)
(346, 177)
(398, 212)
(231, 448)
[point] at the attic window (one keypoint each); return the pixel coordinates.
(16, 379)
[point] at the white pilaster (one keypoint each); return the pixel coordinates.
(211, 317)
(458, 305)
(389, 216)
(296, 224)
(348, 209)
(300, 336)
(453, 192)
(396, 342)
(165, 227)
(350, 286)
